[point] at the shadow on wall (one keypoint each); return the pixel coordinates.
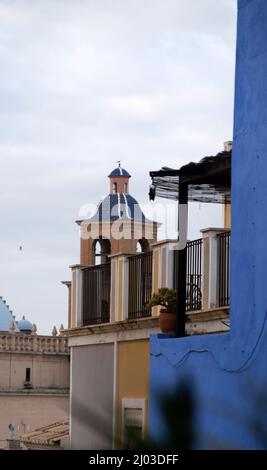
(178, 411)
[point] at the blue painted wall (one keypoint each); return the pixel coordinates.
(228, 372)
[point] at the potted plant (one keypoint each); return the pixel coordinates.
(166, 298)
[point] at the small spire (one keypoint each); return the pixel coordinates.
(61, 329)
(12, 327)
(34, 329)
(54, 331)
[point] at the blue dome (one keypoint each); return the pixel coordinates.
(24, 325)
(6, 317)
(118, 206)
(119, 172)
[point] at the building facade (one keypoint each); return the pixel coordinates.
(110, 324)
(34, 376)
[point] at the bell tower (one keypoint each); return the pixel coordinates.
(118, 226)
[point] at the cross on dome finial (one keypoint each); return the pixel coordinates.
(119, 163)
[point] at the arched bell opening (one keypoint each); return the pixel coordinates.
(101, 250)
(142, 246)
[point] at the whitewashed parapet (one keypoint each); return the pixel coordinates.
(33, 344)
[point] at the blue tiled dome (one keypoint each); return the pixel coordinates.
(6, 317)
(24, 325)
(118, 206)
(119, 172)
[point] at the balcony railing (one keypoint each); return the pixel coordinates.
(223, 244)
(131, 291)
(194, 274)
(194, 286)
(140, 285)
(96, 294)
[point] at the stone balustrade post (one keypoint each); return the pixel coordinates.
(76, 296)
(162, 267)
(119, 287)
(210, 267)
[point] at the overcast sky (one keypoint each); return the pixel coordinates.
(85, 83)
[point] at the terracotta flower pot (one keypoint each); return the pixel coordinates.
(167, 321)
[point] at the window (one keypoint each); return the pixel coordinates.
(114, 188)
(28, 375)
(125, 187)
(133, 421)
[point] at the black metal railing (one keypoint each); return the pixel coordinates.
(140, 285)
(96, 294)
(223, 243)
(194, 274)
